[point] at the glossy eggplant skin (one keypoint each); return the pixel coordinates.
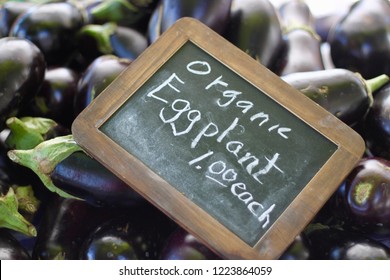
(303, 43)
(340, 91)
(65, 224)
(182, 245)
(84, 177)
(52, 27)
(377, 124)
(136, 235)
(9, 11)
(254, 27)
(215, 14)
(366, 196)
(360, 41)
(335, 244)
(10, 248)
(54, 100)
(298, 250)
(98, 75)
(23, 67)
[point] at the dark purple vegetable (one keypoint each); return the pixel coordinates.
(360, 41)
(110, 38)
(99, 74)
(86, 178)
(327, 243)
(343, 93)
(52, 27)
(181, 245)
(215, 14)
(55, 98)
(10, 248)
(22, 68)
(366, 197)
(9, 11)
(65, 224)
(137, 235)
(303, 43)
(377, 124)
(254, 27)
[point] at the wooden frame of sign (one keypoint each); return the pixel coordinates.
(219, 143)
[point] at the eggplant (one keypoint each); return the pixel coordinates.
(54, 100)
(128, 13)
(215, 14)
(9, 11)
(182, 245)
(360, 41)
(86, 178)
(65, 224)
(327, 243)
(365, 197)
(303, 43)
(136, 235)
(23, 67)
(254, 27)
(10, 248)
(52, 27)
(110, 38)
(343, 93)
(377, 124)
(99, 74)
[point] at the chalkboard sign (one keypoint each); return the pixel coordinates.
(219, 143)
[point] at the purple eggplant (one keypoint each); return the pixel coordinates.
(360, 41)
(254, 27)
(303, 43)
(215, 14)
(22, 68)
(99, 74)
(9, 12)
(10, 248)
(326, 243)
(377, 124)
(52, 27)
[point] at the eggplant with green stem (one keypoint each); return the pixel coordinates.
(343, 93)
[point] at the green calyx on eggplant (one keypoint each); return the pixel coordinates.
(44, 157)
(254, 27)
(214, 14)
(110, 38)
(360, 41)
(303, 52)
(129, 13)
(27, 132)
(329, 243)
(98, 75)
(22, 66)
(52, 27)
(10, 216)
(377, 124)
(343, 93)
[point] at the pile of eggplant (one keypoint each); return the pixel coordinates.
(56, 56)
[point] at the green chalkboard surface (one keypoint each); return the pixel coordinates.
(218, 142)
